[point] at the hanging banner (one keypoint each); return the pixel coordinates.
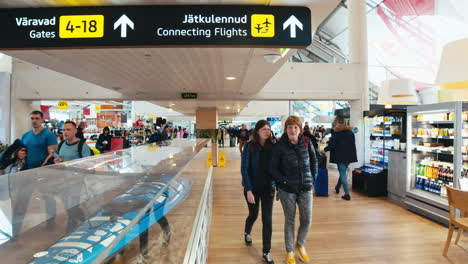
(62, 105)
(45, 111)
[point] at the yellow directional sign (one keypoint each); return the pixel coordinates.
(209, 161)
(98, 108)
(81, 26)
(222, 159)
(62, 105)
(263, 26)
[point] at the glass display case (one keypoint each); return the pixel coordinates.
(437, 156)
(87, 210)
(384, 130)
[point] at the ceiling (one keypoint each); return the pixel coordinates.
(188, 107)
(160, 75)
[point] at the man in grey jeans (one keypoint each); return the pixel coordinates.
(294, 166)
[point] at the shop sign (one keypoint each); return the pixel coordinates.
(62, 105)
(158, 25)
(97, 108)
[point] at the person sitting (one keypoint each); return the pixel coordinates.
(103, 143)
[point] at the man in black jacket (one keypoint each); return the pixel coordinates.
(342, 149)
(293, 167)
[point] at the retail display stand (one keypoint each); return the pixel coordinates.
(384, 130)
(437, 156)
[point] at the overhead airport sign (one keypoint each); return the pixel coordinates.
(189, 95)
(133, 26)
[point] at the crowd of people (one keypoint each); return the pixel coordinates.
(284, 167)
(40, 146)
(288, 166)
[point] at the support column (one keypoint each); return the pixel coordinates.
(357, 19)
(208, 119)
(5, 99)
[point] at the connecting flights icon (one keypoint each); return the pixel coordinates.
(263, 26)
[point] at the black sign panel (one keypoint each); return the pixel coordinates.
(189, 95)
(129, 26)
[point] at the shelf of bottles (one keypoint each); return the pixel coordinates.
(385, 133)
(464, 151)
(434, 154)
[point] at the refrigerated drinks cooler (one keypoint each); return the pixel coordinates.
(437, 156)
(384, 129)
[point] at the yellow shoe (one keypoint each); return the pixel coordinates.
(303, 256)
(290, 258)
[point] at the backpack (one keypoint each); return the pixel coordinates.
(80, 147)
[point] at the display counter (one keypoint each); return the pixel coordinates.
(396, 181)
(437, 154)
(147, 201)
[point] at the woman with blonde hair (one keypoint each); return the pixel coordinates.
(294, 167)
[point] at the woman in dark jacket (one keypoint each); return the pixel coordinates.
(103, 143)
(294, 166)
(258, 184)
(312, 138)
(342, 149)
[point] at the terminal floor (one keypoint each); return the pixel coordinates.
(363, 230)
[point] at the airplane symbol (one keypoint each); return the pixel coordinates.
(258, 28)
(266, 23)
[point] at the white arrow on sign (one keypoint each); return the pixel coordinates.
(292, 22)
(123, 22)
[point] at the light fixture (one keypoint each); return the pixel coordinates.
(453, 68)
(401, 88)
(228, 107)
(230, 78)
(272, 58)
(385, 93)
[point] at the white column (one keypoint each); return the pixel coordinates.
(357, 20)
(5, 98)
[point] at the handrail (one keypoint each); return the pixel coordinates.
(191, 255)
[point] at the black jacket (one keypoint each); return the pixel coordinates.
(249, 167)
(342, 146)
(294, 167)
(79, 133)
(243, 134)
(100, 146)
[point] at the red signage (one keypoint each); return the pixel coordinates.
(45, 111)
(86, 111)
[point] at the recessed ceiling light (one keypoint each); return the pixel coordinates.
(228, 107)
(230, 78)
